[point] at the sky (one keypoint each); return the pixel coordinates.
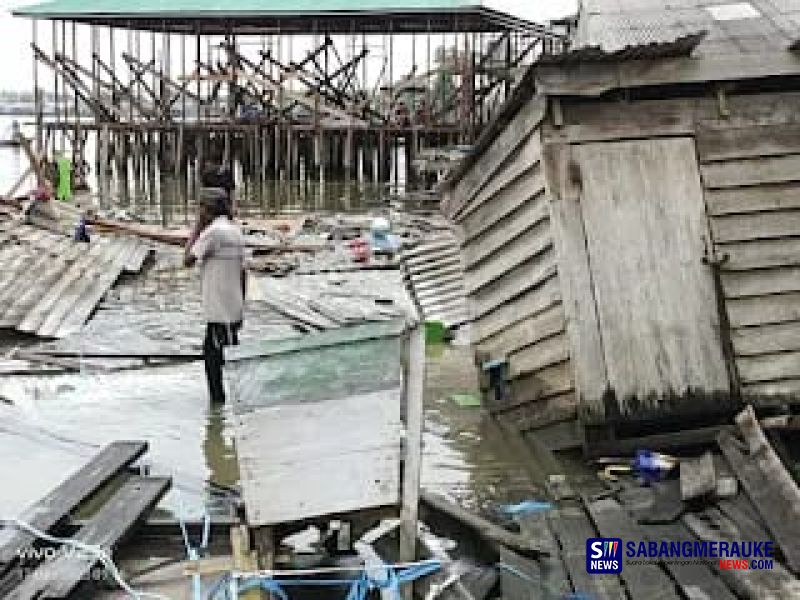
(16, 72)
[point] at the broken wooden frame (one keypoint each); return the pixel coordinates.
(327, 420)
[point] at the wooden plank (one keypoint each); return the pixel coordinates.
(459, 579)
(30, 295)
(544, 353)
(22, 265)
(54, 298)
(453, 268)
(349, 447)
(520, 577)
(441, 261)
(740, 284)
(525, 246)
(535, 528)
(489, 532)
(580, 310)
(748, 172)
(696, 581)
(781, 389)
(511, 312)
(77, 288)
(528, 276)
(572, 527)
(412, 448)
(528, 330)
(105, 529)
(94, 292)
(747, 142)
(606, 121)
(446, 290)
(712, 526)
(778, 196)
(642, 581)
(766, 339)
(531, 417)
(758, 310)
(756, 226)
(533, 211)
(656, 300)
(760, 254)
(63, 499)
(427, 247)
(697, 477)
(245, 559)
(138, 257)
(522, 126)
(768, 484)
(27, 281)
(602, 77)
(514, 168)
(440, 282)
(673, 441)
(507, 201)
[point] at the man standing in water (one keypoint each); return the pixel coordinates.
(217, 245)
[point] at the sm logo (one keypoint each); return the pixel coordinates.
(603, 555)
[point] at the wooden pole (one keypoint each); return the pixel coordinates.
(414, 393)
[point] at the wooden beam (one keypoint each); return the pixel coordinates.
(412, 468)
(62, 500)
(768, 484)
(106, 529)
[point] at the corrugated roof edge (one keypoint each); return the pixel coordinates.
(680, 46)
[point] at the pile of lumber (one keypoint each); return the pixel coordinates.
(50, 284)
(27, 575)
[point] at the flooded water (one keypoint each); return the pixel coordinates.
(54, 424)
(169, 201)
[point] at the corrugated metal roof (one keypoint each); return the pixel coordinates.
(682, 46)
(616, 25)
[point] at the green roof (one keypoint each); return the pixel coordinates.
(288, 16)
(235, 7)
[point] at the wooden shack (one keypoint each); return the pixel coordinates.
(630, 223)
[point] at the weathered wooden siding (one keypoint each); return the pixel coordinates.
(640, 305)
(751, 174)
(503, 209)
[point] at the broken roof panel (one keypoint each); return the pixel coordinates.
(732, 27)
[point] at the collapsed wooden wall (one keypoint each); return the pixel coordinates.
(750, 166)
(502, 208)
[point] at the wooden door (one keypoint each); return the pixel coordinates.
(655, 301)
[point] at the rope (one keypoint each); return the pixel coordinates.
(357, 588)
(96, 551)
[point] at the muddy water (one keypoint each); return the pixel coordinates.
(465, 455)
(50, 425)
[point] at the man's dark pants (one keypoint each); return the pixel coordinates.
(218, 335)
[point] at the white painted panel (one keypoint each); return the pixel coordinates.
(299, 461)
